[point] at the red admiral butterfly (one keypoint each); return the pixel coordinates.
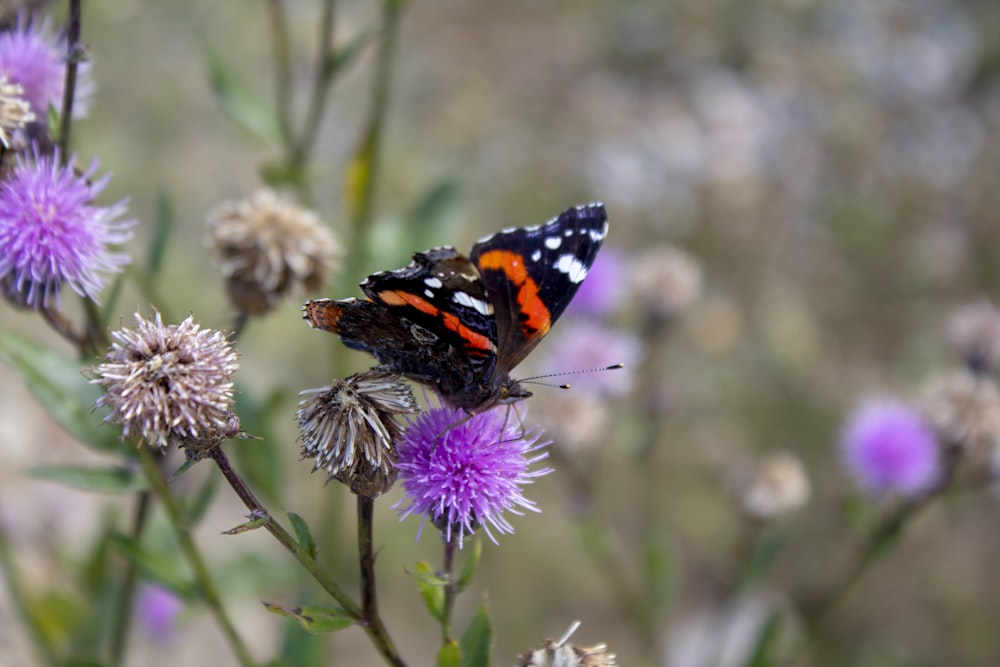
(461, 325)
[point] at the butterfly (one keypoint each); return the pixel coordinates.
(461, 324)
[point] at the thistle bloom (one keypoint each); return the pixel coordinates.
(270, 247)
(51, 234)
(467, 472)
(31, 57)
(349, 429)
(887, 447)
(169, 383)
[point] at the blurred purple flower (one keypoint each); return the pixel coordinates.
(157, 608)
(887, 446)
(465, 473)
(592, 346)
(602, 291)
(33, 58)
(51, 233)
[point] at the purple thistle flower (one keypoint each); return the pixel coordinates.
(602, 291)
(157, 608)
(465, 473)
(32, 57)
(887, 446)
(51, 233)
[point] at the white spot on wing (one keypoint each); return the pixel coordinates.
(430, 294)
(433, 282)
(480, 306)
(535, 256)
(553, 242)
(572, 267)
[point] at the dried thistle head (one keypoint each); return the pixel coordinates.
(964, 410)
(169, 383)
(974, 334)
(775, 486)
(270, 247)
(563, 654)
(15, 112)
(349, 429)
(666, 280)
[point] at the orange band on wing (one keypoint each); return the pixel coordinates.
(535, 313)
(473, 340)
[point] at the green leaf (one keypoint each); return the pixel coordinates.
(253, 524)
(163, 225)
(765, 551)
(314, 619)
(431, 589)
(57, 384)
(303, 535)
(471, 563)
(358, 175)
(764, 653)
(450, 654)
(237, 100)
(477, 641)
(115, 479)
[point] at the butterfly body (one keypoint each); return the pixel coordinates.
(461, 324)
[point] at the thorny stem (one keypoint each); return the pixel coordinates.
(119, 631)
(159, 487)
(373, 627)
(74, 52)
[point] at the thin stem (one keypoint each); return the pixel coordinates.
(379, 106)
(43, 647)
(158, 484)
(119, 631)
(74, 51)
(366, 557)
(283, 68)
(450, 589)
(373, 627)
(321, 84)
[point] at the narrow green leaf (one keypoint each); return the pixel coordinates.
(766, 648)
(450, 654)
(471, 563)
(163, 225)
(758, 565)
(477, 641)
(358, 174)
(237, 100)
(115, 479)
(431, 589)
(57, 384)
(253, 524)
(303, 535)
(314, 619)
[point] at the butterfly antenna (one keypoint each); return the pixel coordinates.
(534, 379)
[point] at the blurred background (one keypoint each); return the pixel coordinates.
(831, 167)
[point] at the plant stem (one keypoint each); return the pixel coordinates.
(159, 487)
(373, 627)
(450, 589)
(73, 55)
(282, 69)
(321, 85)
(366, 557)
(119, 631)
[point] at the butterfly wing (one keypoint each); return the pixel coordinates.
(532, 273)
